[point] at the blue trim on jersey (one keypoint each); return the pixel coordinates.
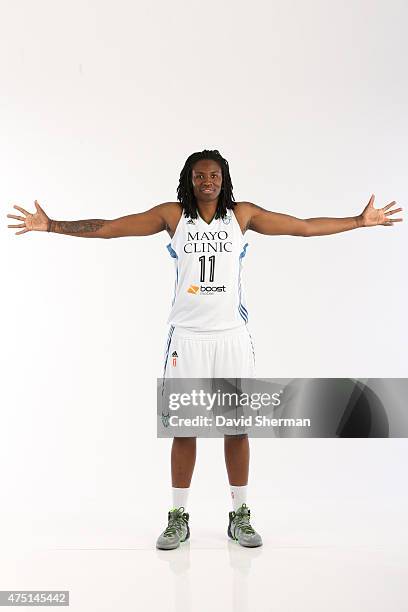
(174, 255)
(171, 251)
(244, 310)
(243, 315)
(175, 285)
(243, 252)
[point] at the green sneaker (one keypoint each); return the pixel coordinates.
(176, 531)
(240, 529)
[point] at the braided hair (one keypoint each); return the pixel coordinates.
(185, 192)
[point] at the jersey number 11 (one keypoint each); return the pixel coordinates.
(212, 266)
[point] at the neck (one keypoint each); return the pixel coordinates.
(207, 210)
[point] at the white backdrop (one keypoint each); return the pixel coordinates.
(101, 103)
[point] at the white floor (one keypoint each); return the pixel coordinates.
(329, 556)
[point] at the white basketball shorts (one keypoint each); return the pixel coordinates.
(221, 354)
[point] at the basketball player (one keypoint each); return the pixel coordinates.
(208, 335)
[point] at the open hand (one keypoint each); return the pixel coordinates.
(31, 222)
(378, 216)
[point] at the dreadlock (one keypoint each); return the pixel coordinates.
(185, 192)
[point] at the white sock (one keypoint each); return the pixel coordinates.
(239, 496)
(180, 496)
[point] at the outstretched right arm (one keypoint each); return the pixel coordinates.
(140, 224)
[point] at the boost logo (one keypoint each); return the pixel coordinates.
(193, 289)
(201, 289)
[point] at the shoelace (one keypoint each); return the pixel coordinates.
(176, 522)
(241, 521)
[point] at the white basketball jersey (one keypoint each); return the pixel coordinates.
(208, 293)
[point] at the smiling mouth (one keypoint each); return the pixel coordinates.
(208, 190)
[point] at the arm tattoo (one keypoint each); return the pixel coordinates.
(77, 228)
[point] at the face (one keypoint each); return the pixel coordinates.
(207, 179)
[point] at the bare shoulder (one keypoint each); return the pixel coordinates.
(170, 209)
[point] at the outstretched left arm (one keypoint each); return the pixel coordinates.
(271, 223)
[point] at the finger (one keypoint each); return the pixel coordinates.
(38, 207)
(391, 212)
(393, 220)
(389, 205)
(21, 209)
(22, 232)
(16, 217)
(21, 225)
(371, 200)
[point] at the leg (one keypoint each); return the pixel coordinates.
(236, 452)
(236, 449)
(183, 458)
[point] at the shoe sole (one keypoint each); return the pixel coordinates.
(246, 545)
